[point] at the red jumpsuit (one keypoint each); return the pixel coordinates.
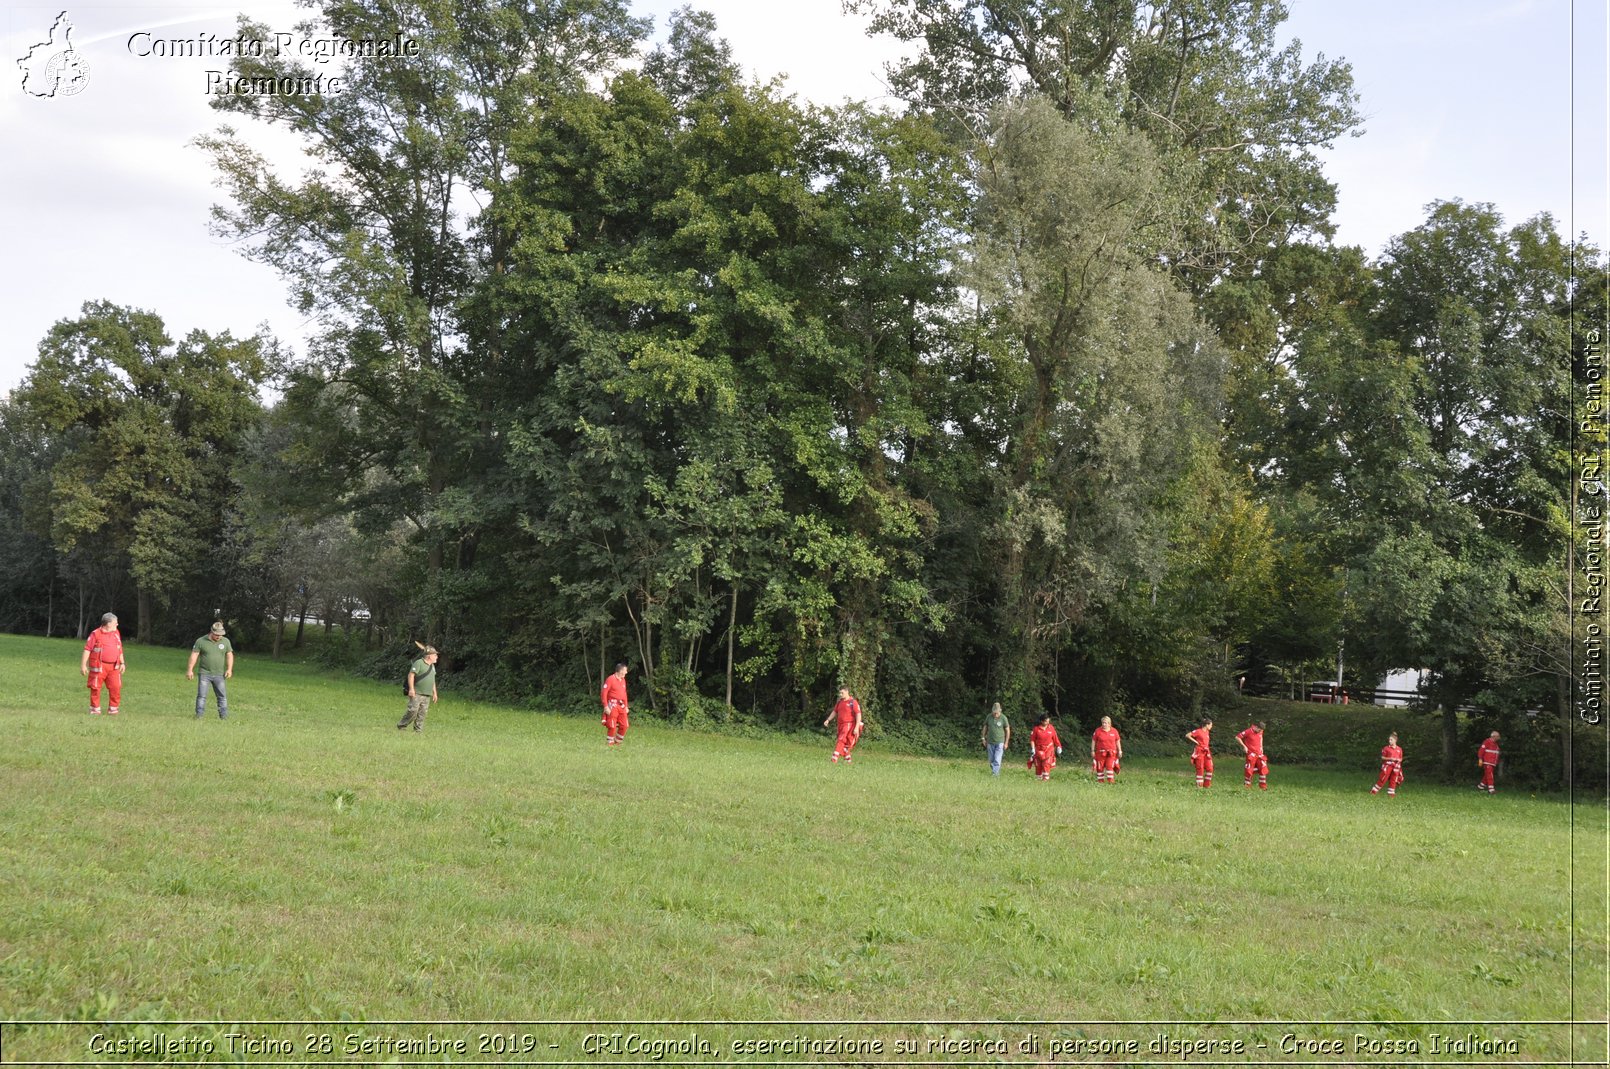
(1391, 770)
(848, 711)
(1252, 738)
(1202, 758)
(1488, 756)
(1043, 748)
(614, 698)
(1105, 744)
(105, 650)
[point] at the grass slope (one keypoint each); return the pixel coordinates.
(304, 860)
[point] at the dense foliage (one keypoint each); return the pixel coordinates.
(1048, 389)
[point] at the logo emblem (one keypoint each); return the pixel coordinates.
(53, 67)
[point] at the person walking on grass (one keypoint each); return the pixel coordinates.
(1487, 761)
(217, 657)
(421, 689)
(1044, 746)
(1391, 767)
(613, 698)
(1251, 740)
(1106, 750)
(1202, 755)
(996, 737)
(848, 712)
(103, 664)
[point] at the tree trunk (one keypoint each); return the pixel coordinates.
(279, 626)
(143, 615)
(1451, 700)
(732, 626)
(1567, 736)
(301, 623)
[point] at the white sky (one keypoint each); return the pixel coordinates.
(103, 197)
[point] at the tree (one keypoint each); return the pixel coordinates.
(1432, 419)
(383, 240)
(152, 430)
(1233, 119)
(1109, 375)
(28, 562)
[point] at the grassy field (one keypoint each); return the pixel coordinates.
(305, 861)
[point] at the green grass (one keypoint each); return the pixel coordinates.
(304, 860)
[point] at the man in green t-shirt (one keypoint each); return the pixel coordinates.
(421, 689)
(217, 658)
(996, 737)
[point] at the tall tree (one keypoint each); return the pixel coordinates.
(152, 429)
(1234, 118)
(1111, 377)
(383, 238)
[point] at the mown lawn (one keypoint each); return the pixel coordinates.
(305, 861)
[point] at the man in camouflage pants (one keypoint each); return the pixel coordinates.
(421, 689)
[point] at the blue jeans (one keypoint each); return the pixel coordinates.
(996, 750)
(203, 681)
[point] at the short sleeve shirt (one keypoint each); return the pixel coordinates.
(995, 728)
(424, 676)
(214, 653)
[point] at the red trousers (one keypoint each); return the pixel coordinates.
(113, 679)
(1202, 761)
(1043, 760)
(615, 721)
(1391, 776)
(1258, 764)
(846, 740)
(1106, 764)
(1486, 783)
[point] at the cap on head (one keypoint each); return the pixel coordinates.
(218, 627)
(430, 651)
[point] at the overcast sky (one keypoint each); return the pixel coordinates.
(104, 197)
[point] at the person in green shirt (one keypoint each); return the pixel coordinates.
(421, 689)
(217, 657)
(996, 737)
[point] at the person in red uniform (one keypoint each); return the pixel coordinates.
(1391, 767)
(103, 663)
(1044, 745)
(1487, 761)
(848, 711)
(1251, 741)
(1106, 750)
(1202, 755)
(613, 697)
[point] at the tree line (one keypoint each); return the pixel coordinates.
(1047, 387)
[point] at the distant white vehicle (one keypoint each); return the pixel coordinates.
(1400, 687)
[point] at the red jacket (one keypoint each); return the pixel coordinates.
(1391, 755)
(105, 649)
(614, 690)
(1201, 737)
(847, 711)
(1105, 739)
(1488, 754)
(1253, 738)
(1044, 737)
